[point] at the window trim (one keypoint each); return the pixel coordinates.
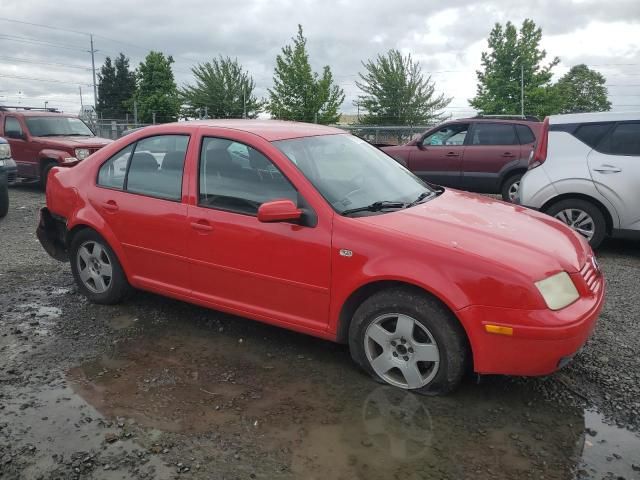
(133, 151)
(509, 124)
(301, 198)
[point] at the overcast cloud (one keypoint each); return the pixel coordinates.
(446, 38)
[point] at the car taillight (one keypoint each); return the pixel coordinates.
(539, 154)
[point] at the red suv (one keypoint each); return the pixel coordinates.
(481, 154)
(312, 229)
(43, 138)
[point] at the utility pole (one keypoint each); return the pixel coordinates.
(81, 105)
(521, 89)
(93, 69)
(206, 112)
(244, 103)
(135, 112)
(45, 104)
(153, 114)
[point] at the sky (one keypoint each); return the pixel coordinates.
(39, 64)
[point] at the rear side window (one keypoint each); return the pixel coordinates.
(525, 134)
(156, 167)
(152, 166)
(591, 133)
(494, 134)
(623, 140)
(113, 172)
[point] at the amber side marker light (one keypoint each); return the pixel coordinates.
(499, 330)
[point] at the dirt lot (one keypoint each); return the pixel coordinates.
(156, 388)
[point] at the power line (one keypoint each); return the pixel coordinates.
(13, 38)
(5, 19)
(42, 79)
(53, 64)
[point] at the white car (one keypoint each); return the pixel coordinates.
(585, 172)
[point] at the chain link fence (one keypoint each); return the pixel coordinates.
(381, 135)
(113, 128)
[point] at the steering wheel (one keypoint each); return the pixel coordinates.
(358, 180)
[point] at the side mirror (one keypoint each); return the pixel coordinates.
(279, 211)
(14, 134)
(420, 145)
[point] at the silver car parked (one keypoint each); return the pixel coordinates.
(585, 172)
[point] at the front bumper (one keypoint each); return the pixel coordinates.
(51, 233)
(542, 342)
(10, 169)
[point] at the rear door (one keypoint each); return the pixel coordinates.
(615, 169)
(21, 150)
(438, 155)
(491, 148)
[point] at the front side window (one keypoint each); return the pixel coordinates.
(494, 134)
(54, 126)
(623, 140)
(238, 178)
(113, 172)
(453, 134)
(12, 126)
(350, 173)
(152, 166)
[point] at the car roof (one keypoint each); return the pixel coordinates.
(36, 113)
(270, 130)
(593, 117)
(497, 120)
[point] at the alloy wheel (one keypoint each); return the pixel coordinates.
(579, 220)
(402, 351)
(94, 267)
(513, 190)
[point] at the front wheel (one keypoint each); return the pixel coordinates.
(96, 269)
(406, 339)
(583, 216)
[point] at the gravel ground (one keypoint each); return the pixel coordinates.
(155, 388)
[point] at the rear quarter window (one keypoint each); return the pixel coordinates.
(592, 133)
(525, 134)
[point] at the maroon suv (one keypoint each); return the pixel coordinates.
(41, 139)
(482, 154)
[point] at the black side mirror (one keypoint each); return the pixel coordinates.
(14, 134)
(420, 145)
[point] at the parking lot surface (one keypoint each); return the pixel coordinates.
(156, 388)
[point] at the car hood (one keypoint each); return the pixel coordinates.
(76, 142)
(517, 237)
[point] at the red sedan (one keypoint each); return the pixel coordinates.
(312, 229)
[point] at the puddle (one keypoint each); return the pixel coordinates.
(301, 401)
(122, 322)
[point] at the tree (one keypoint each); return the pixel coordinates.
(581, 90)
(514, 56)
(299, 93)
(156, 89)
(224, 88)
(116, 87)
(398, 93)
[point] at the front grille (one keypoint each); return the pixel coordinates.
(591, 275)
(93, 150)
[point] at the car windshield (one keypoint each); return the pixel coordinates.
(57, 126)
(351, 174)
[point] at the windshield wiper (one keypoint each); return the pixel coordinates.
(375, 207)
(422, 197)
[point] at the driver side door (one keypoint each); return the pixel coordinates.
(438, 156)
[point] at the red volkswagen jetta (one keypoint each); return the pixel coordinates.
(309, 228)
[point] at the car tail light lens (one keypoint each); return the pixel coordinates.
(539, 154)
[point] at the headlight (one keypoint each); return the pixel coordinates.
(82, 153)
(5, 150)
(2, 163)
(558, 291)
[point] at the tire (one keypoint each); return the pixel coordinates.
(596, 223)
(44, 173)
(4, 200)
(435, 333)
(507, 191)
(90, 255)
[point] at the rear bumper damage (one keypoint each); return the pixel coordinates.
(52, 233)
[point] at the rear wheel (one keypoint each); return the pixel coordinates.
(510, 187)
(406, 339)
(4, 199)
(96, 269)
(44, 173)
(583, 216)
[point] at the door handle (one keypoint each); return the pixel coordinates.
(607, 169)
(508, 154)
(452, 154)
(201, 226)
(110, 206)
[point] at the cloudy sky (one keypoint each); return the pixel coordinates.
(50, 64)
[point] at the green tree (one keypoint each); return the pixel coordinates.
(106, 107)
(116, 87)
(156, 89)
(224, 88)
(513, 54)
(398, 93)
(299, 93)
(581, 90)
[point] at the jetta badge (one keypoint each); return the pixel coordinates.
(346, 253)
